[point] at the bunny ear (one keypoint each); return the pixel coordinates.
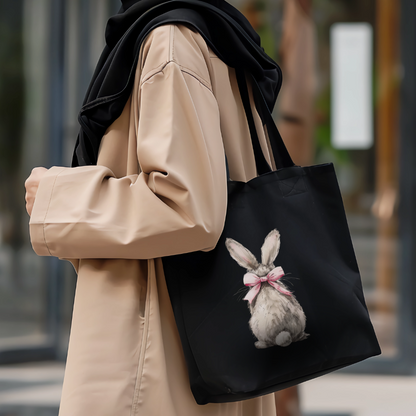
(271, 247)
(241, 255)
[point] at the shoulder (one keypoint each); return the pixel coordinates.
(178, 44)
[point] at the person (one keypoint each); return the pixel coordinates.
(148, 180)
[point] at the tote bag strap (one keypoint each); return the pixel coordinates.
(280, 154)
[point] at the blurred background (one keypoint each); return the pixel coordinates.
(348, 97)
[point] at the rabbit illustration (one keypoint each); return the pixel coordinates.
(277, 318)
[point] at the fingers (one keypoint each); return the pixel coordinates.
(29, 205)
(32, 185)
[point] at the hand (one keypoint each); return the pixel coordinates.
(32, 185)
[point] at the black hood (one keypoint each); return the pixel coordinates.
(223, 27)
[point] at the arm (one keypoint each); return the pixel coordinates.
(176, 205)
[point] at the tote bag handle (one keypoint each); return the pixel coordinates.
(280, 154)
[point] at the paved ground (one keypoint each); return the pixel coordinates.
(30, 389)
(35, 389)
(358, 395)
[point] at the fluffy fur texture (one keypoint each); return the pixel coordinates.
(276, 318)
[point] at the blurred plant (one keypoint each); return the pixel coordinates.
(257, 13)
(324, 149)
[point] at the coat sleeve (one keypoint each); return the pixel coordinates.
(177, 203)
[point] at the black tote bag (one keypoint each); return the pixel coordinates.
(286, 237)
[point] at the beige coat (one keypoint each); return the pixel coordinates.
(159, 188)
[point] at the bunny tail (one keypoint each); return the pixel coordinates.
(283, 339)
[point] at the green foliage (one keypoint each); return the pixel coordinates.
(324, 148)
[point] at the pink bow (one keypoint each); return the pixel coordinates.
(250, 279)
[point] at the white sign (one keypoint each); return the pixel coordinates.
(351, 85)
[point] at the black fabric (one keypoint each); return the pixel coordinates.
(224, 29)
(206, 288)
(261, 164)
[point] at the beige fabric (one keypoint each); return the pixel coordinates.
(115, 220)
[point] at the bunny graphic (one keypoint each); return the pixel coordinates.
(276, 316)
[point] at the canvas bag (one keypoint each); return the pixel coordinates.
(286, 237)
